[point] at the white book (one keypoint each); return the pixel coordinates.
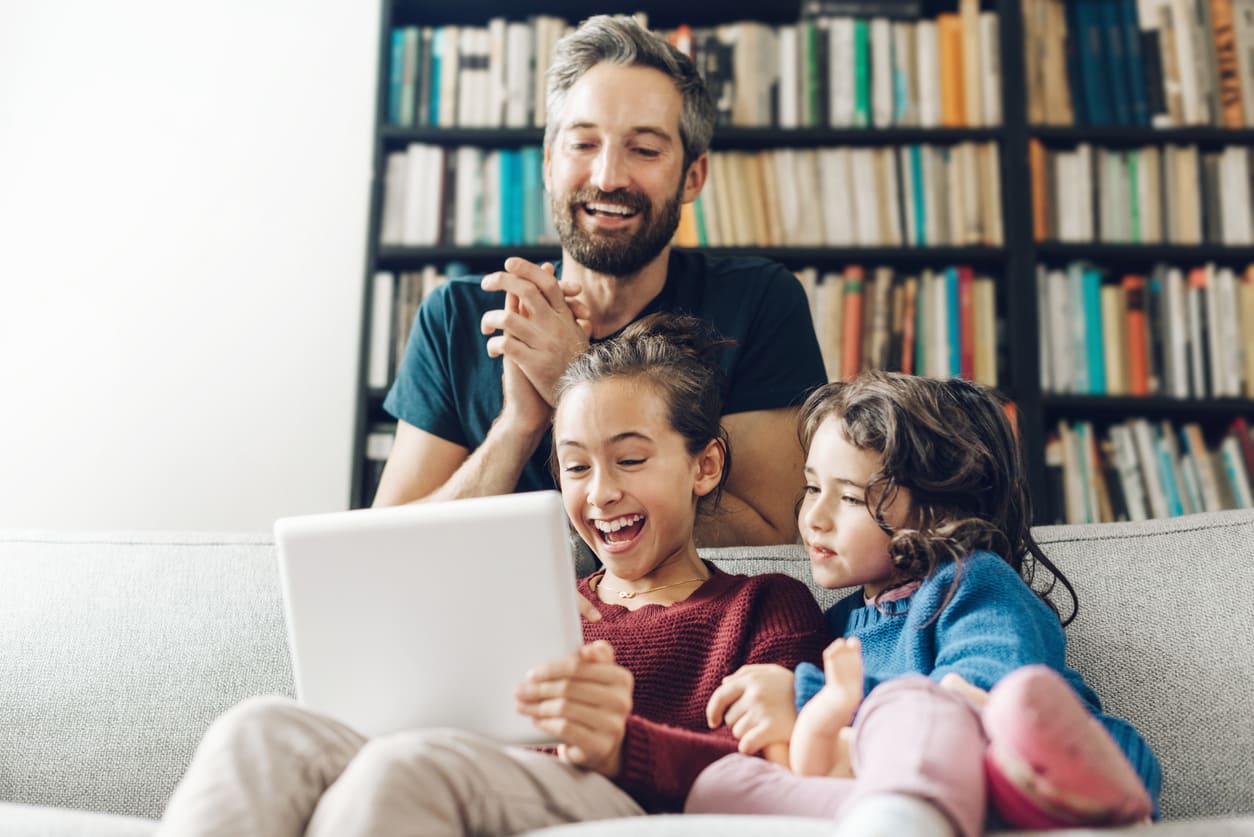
(419, 202)
(1243, 26)
(518, 80)
(789, 87)
(546, 31)
(938, 328)
(1194, 102)
(1195, 298)
(840, 72)
(890, 200)
(829, 321)
(957, 189)
(1147, 453)
(806, 179)
(809, 279)
(866, 218)
(492, 197)
(391, 230)
(449, 51)
(711, 199)
(990, 72)
(1176, 333)
(990, 179)
(1113, 313)
(1234, 470)
(905, 75)
(1083, 192)
(972, 193)
(1234, 191)
(972, 71)
(468, 196)
(382, 303)
(1228, 326)
(498, 69)
(838, 212)
(1216, 350)
(881, 40)
(933, 172)
(1129, 472)
(927, 56)
(1148, 197)
(473, 78)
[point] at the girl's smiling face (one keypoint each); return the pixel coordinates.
(629, 484)
(846, 545)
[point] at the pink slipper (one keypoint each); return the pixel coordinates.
(1050, 763)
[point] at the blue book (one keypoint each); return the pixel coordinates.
(1092, 65)
(1116, 61)
(920, 201)
(1093, 337)
(396, 76)
(953, 320)
(1136, 65)
(437, 62)
(1167, 475)
(531, 160)
(509, 196)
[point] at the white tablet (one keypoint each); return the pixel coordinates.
(428, 615)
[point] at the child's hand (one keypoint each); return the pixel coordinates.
(587, 609)
(816, 748)
(584, 700)
(757, 703)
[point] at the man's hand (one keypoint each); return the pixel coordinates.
(584, 700)
(523, 406)
(545, 331)
(757, 703)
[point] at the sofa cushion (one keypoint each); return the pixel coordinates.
(117, 651)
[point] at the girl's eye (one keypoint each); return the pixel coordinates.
(851, 500)
(574, 469)
(812, 489)
(630, 462)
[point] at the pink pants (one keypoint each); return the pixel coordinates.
(910, 737)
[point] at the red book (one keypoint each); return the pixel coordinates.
(1138, 336)
(910, 315)
(966, 322)
(1241, 429)
(851, 354)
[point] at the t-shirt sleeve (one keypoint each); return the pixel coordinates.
(779, 362)
(424, 392)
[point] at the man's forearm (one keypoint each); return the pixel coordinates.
(494, 467)
(736, 523)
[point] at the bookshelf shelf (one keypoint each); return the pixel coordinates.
(1127, 137)
(408, 258)
(1141, 256)
(725, 137)
(1155, 406)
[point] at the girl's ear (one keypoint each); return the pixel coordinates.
(709, 468)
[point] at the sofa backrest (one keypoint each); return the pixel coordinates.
(1165, 634)
(117, 651)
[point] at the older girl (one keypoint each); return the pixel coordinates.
(638, 447)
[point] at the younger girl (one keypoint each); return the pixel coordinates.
(637, 444)
(916, 493)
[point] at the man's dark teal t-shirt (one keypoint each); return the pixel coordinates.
(448, 386)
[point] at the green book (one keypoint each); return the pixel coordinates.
(861, 74)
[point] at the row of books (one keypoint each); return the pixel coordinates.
(1141, 469)
(837, 71)
(914, 195)
(939, 323)
(1171, 194)
(1177, 332)
(471, 76)
(935, 322)
(1159, 63)
(465, 196)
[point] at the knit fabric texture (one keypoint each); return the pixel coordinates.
(679, 654)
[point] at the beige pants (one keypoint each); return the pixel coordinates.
(269, 767)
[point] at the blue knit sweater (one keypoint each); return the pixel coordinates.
(993, 624)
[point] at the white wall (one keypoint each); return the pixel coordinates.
(183, 209)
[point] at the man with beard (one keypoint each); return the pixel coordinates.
(625, 147)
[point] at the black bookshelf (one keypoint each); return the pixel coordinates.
(1014, 263)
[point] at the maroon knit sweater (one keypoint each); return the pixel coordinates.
(679, 654)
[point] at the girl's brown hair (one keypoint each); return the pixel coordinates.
(677, 356)
(951, 445)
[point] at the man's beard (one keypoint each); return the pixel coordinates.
(618, 252)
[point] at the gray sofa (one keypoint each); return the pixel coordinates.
(117, 651)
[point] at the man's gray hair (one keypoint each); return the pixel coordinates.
(620, 40)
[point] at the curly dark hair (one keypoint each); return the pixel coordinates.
(677, 355)
(952, 446)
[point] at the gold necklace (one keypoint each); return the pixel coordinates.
(631, 594)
